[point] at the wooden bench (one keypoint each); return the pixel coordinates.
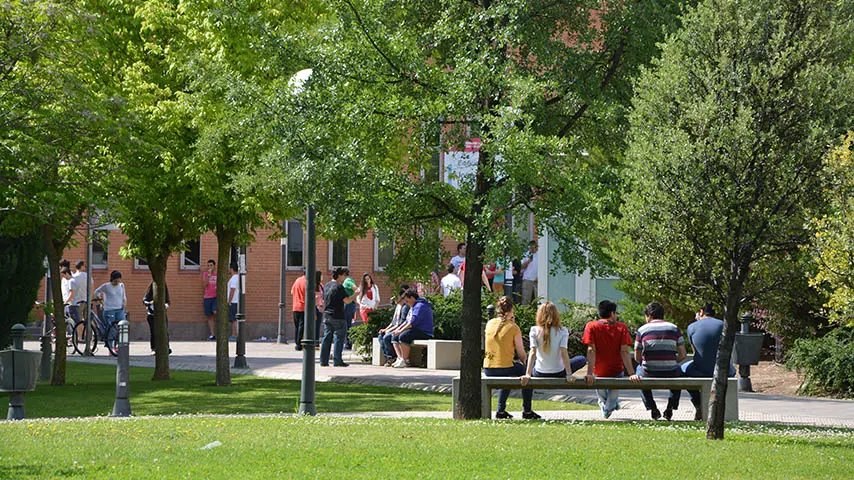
(432, 354)
(704, 385)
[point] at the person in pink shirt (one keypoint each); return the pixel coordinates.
(209, 299)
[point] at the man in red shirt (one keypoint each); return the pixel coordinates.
(298, 294)
(609, 347)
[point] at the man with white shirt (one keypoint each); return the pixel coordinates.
(459, 258)
(233, 297)
(451, 281)
(529, 274)
(68, 287)
(82, 283)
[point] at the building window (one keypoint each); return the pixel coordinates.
(339, 253)
(191, 258)
(383, 250)
(295, 245)
(140, 264)
(100, 246)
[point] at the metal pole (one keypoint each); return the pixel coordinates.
(45, 370)
(87, 352)
(121, 407)
(744, 384)
(240, 357)
(306, 401)
(508, 261)
(16, 399)
(283, 282)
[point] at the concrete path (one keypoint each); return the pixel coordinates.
(272, 360)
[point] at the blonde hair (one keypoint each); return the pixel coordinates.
(503, 306)
(547, 318)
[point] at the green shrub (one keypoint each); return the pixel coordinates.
(826, 362)
(361, 336)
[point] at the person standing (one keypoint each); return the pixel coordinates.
(530, 274)
(298, 295)
(69, 285)
(334, 325)
(498, 279)
(349, 308)
(659, 348)
(450, 281)
(609, 348)
(704, 335)
(148, 301)
(318, 307)
(503, 338)
(368, 297)
(233, 298)
(419, 326)
(458, 260)
(81, 278)
(114, 297)
(209, 297)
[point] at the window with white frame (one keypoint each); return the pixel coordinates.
(191, 258)
(383, 250)
(295, 245)
(339, 253)
(140, 264)
(100, 248)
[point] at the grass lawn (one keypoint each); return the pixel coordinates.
(91, 389)
(338, 447)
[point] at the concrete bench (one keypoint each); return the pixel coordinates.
(704, 385)
(439, 354)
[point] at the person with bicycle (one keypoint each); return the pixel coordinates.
(69, 287)
(114, 297)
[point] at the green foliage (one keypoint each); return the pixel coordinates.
(834, 234)
(21, 271)
(827, 363)
(362, 336)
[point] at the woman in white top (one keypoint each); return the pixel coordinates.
(114, 297)
(549, 357)
(368, 298)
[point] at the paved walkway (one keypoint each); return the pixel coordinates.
(282, 361)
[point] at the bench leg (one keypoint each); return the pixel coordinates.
(731, 400)
(705, 398)
(485, 401)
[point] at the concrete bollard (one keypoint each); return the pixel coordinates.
(121, 407)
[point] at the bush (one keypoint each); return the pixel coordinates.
(21, 271)
(826, 362)
(361, 336)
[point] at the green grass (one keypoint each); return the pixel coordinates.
(353, 448)
(90, 391)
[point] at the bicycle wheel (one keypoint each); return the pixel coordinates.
(112, 339)
(79, 335)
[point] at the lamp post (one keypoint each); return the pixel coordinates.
(307, 389)
(45, 370)
(280, 337)
(121, 407)
(87, 335)
(240, 357)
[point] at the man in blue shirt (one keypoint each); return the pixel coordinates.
(418, 326)
(705, 336)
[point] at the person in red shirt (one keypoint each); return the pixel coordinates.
(609, 347)
(298, 294)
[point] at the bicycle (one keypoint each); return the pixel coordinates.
(108, 333)
(69, 330)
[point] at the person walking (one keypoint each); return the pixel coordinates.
(503, 339)
(209, 297)
(334, 324)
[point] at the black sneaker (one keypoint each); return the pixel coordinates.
(502, 414)
(668, 413)
(531, 415)
(342, 364)
(324, 364)
(656, 414)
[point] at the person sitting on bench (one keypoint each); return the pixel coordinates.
(502, 339)
(419, 326)
(659, 347)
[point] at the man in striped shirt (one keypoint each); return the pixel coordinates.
(659, 348)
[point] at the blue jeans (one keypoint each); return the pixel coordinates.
(689, 371)
(575, 363)
(609, 400)
(646, 395)
(113, 315)
(386, 346)
(349, 312)
(412, 334)
(333, 328)
(517, 370)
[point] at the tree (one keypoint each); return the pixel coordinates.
(542, 84)
(21, 271)
(834, 234)
(727, 135)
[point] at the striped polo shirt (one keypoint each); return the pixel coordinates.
(657, 341)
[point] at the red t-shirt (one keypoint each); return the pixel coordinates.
(298, 292)
(608, 337)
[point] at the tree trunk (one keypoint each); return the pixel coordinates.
(157, 266)
(53, 257)
(471, 359)
(717, 404)
(225, 238)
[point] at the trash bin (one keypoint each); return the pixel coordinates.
(748, 347)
